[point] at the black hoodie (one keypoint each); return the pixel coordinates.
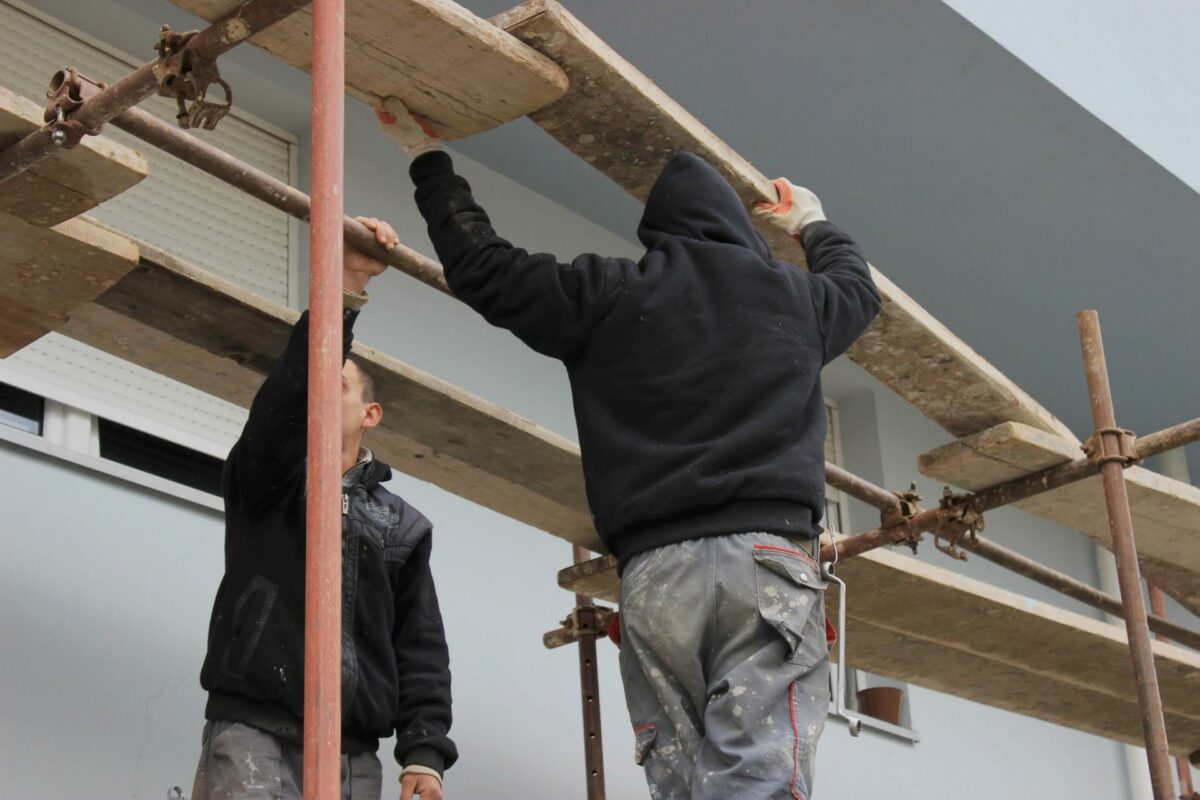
(695, 370)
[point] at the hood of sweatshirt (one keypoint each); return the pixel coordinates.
(691, 200)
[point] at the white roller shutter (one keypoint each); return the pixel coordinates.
(177, 208)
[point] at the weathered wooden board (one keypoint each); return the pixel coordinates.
(71, 181)
(445, 63)
(194, 327)
(1166, 512)
(910, 620)
(925, 625)
(617, 120)
(46, 274)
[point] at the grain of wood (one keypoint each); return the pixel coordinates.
(922, 624)
(617, 120)
(46, 274)
(182, 322)
(70, 182)
(445, 63)
(1166, 512)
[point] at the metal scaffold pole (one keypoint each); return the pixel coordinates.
(589, 687)
(1112, 461)
(203, 46)
(323, 580)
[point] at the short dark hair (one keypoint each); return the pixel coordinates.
(368, 380)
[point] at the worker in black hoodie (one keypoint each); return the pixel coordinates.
(395, 667)
(695, 373)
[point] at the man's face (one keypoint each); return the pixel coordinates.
(357, 415)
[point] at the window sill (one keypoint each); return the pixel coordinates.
(112, 469)
(873, 724)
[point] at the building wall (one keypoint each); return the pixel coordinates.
(105, 587)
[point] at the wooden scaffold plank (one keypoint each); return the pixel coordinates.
(71, 182)
(617, 120)
(195, 327)
(925, 625)
(917, 622)
(446, 64)
(46, 274)
(1166, 512)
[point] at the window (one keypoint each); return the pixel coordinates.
(67, 433)
(879, 690)
(20, 409)
(147, 453)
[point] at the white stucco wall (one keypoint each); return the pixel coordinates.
(105, 588)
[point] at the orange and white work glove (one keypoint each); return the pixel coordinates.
(413, 134)
(797, 207)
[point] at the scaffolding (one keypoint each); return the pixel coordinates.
(186, 70)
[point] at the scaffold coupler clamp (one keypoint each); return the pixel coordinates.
(68, 91)
(1099, 449)
(585, 620)
(187, 77)
(905, 509)
(958, 519)
(829, 575)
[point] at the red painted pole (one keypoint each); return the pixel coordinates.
(589, 687)
(323, 596)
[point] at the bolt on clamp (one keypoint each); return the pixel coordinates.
(187, 77)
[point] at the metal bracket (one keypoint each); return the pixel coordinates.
(582, 621)
(839, 706)
(187, 77)
(957, 519)
(1126, 454)
(68, 91)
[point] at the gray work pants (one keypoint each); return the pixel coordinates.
(241, 762)
(725, 666)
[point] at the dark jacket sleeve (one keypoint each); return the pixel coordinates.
(844, 296)
(423, 664)
(266, 465)
(549, 305)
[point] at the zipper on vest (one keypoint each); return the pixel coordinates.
(345, 504)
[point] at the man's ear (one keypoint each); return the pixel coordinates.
(372, 415)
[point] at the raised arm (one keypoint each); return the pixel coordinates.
(266, 465)
(844, 296)
(549, 305)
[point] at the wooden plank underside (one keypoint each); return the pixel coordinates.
(445, 63)
(922, 624)
(189, 325)
(1166, 512)
(71, 181)
(917, 622)
(46, 274)
(617, 120)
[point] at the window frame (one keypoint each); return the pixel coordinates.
(908, 734)
(72, 434)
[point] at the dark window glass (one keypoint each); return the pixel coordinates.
(20, 409)
(160, 457)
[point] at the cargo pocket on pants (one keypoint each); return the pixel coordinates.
(643, 742)
(789, 588)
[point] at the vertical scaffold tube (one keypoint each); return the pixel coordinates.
(323, 592)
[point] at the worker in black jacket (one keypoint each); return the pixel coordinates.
(395, 666)
(695, 373)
